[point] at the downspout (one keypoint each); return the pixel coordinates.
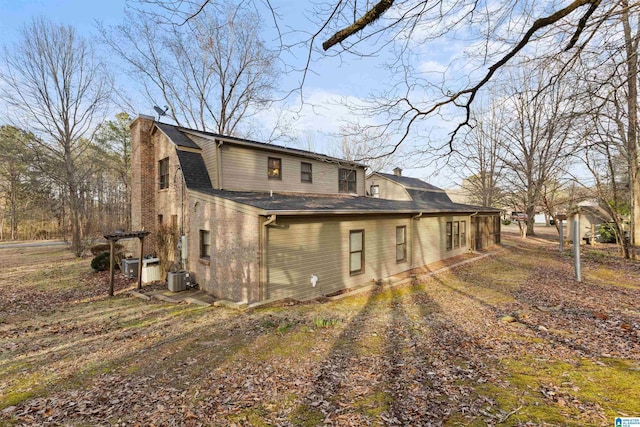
(263, 255)
(413, 233)
(271, 220)
(219, 164)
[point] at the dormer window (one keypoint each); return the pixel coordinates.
(347, 181)
(274, 168)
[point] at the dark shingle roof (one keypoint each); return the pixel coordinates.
(197, 179)
(429, 196)
(176, 136)
(410, 182)
(194, 169)
(318, 204)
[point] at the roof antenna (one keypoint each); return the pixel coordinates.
(160, 111)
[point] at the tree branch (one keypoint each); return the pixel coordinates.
(366, 19)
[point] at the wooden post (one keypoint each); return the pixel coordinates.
(111, 266)
(140, 262)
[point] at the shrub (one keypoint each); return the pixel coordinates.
(104, 247)
(101, 261)
(506, 222)
(607, 233)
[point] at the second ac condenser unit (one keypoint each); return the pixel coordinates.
(177, 281)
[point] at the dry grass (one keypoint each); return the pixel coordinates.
(436, 352)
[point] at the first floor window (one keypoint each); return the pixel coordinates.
(456, 234)
(274, 168)
(305, 172)
(347, 181)
(163, 173)
(205, 244)
(401, 243)
(356, 252)
(463, 234)
(449, 236)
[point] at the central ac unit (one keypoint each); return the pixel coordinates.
(177, 281)
(130, 267)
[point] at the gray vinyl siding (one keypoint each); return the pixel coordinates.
(429, 239)
(298, 248)
(209, 155)
(388, 189)
(245, 169)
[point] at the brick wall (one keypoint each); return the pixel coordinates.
(148, 201)
(233, 271)
(143, 179)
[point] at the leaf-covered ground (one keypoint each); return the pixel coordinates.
(511, 339)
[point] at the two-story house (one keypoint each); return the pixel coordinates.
(269, 222)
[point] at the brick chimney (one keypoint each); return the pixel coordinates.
(397, 171)
(143, 175)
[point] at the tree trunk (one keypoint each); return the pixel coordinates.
(631, 45)
(530, 215)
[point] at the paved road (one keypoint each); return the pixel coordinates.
(34, 244)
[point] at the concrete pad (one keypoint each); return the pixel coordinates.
(140, 295)
(230, 304)
(165, 298)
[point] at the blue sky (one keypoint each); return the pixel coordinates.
(331, 79)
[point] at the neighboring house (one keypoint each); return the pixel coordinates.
(267, 222)
(590, 216)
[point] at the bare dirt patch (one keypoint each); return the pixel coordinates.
(435, 353)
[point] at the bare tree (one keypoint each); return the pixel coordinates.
(56, 89)
(364, 147)
(479, 161)
(212, 73)
(14, 171)
(535, 140)
(631, 42)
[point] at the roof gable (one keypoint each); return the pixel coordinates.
(176, 136)
(409, 182)
(179, 136)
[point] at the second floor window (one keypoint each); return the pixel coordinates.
(347, 181)
(163, 173)
(274, 168)
(305, 172)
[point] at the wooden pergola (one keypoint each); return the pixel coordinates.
(113, 238)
